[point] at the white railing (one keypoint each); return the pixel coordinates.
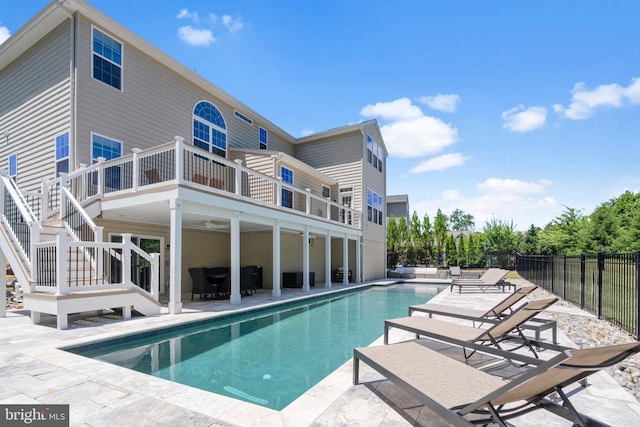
(180, 163)
(18, 217)
(60, 271)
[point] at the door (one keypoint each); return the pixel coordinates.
(140, 267)
(346, 200)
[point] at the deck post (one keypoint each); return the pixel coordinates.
(235, 258)
(327, 260)
(306, 285)
(175, 257)
(276, 291)
(345, 260)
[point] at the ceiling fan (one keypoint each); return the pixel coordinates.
(212, 225)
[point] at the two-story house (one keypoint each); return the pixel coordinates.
(123, 169)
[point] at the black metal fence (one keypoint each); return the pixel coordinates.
(605, 284)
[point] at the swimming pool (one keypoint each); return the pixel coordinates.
(270, 357)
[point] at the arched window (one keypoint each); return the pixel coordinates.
(209, 129)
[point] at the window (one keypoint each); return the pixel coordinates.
(326, 192)
(13, 167)
(374, 153)
(287, 193)
(264, 138)
(241, 116)
(209, 129)
(375, 205)
(62, 153)
(109, 149)
(107, 59)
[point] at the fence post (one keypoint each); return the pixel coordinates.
(553, 274)
(600, 270)
(564, 277)
(238, 177)
(126, 260)
(637, 295)
(583, 279)
(62, 249)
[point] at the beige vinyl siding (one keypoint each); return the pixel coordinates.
(155, 104)
(262, 164)
(35, 107)
(341, 159)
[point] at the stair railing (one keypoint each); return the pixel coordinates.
(19, 219)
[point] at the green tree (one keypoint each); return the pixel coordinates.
(461, 221)
(392, 242)
(500, 235)
(452, 253)
(415, 240)
(463, 254)
(427, 240)
(565, 234)
(530, 243)
(403, 238)
(440, 234)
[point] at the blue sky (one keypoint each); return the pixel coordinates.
(505, 109)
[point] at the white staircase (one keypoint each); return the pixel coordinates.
(58, 272)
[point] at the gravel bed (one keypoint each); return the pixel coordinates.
(588, 332)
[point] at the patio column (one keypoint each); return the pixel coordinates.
(327, 260)
(3, 282)
(276, 260)
(175, 257)
(306, 286)
(345, 260)
(235, 258)
(358, 266)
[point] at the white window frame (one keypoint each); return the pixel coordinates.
(266, 138)
(61, 159)
(95, 160)
(121, 65)
(13, 158)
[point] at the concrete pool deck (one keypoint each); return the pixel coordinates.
(34, 370)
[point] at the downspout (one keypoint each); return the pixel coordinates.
(72, 85)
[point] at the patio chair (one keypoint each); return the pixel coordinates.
(493, 315)
(487, 340)
(493, 277)
(455, 272)
(466, 396)
(201, 284)
(500, 310)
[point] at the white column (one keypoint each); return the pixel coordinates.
(327, 260)
(345, 260)
(175, 257)
(3, 282)
(235, 258)
(276, 260)
(358, 266)
(306, 286)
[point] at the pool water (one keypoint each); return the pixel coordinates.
(272, 357)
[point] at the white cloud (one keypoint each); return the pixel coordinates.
(513, 186)
(522, 119)
(400, 109)
(196, 37)
(232, 25)
(4, 34)
(186, 14)
(446, 103)
(584, 102)
(523, 209)
(307, 132)
(410, 133)
(446, 161)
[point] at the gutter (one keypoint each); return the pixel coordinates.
(72, 83)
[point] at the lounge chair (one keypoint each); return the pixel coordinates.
(486, 340)
(493, 315)
(461, 394)
(493, 277)
(455, 272)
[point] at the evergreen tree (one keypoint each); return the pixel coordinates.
(452, 253)
(462, 251)
(440, 234)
